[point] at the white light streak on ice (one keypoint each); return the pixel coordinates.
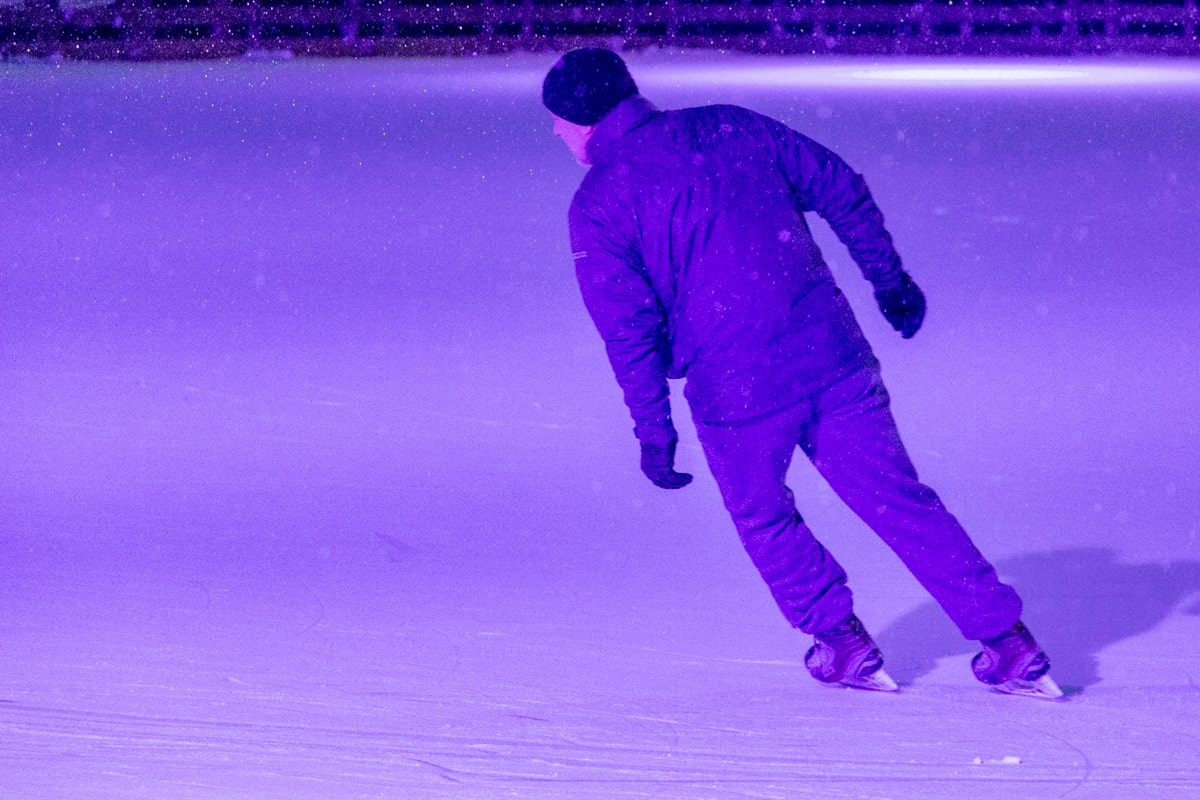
(774, 73)
(980, 74)
(1002, 74)
(666, 71)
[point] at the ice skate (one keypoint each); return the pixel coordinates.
(847, 655)
(1013, 663)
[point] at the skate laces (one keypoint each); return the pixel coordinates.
(846, 650)
(1013, 655)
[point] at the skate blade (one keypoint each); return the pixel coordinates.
(1044, 688)
(877, 681)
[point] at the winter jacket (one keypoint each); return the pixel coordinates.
(695, 261)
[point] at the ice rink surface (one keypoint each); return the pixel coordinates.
(315, 483)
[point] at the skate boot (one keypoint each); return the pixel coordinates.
(848, 656)
(1014, 664)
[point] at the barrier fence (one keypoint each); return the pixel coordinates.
(187, 29)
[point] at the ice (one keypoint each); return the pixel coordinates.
(314, 481)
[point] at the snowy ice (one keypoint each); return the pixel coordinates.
(315, 483)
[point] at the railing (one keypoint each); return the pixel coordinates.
(181, 29)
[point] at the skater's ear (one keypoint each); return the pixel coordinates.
(575, 137)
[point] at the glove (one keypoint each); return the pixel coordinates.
(659, 465)
(903, 306)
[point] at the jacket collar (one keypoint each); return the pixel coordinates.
(629, 114)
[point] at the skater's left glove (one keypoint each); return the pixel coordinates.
(659, 465)
(903, 306)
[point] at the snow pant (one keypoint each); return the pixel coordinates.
(848, 432)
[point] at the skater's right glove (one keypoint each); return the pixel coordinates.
(903, 306)
(659, 465)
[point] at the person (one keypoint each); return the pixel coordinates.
(695, 261)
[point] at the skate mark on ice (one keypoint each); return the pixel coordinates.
(319, 616)
(399, 551)
(1086, 759)
(445, 773)
(132, 728)
(602, 755)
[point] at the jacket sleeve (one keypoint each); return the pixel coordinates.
(629, 317)
(824, 183)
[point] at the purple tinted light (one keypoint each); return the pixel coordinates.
(314, 481)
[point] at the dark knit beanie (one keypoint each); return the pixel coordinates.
(586, 84)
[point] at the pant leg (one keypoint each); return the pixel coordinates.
(750, 464)
(853, 442)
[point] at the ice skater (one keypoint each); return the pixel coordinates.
(695, 261)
